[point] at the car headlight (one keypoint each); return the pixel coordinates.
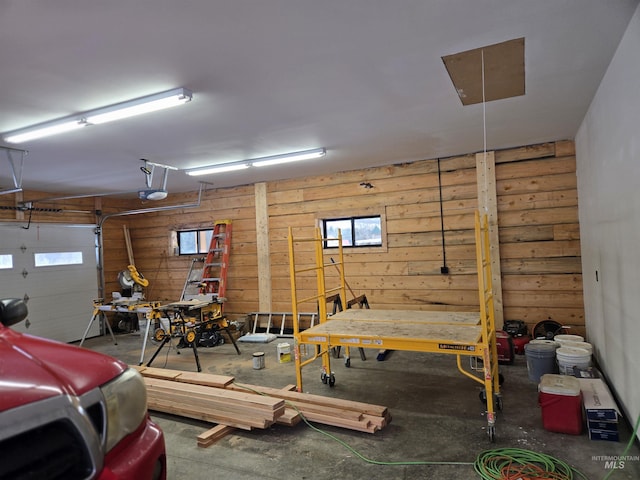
(126, 400)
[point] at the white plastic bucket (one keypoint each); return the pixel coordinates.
(587, 346)
(570, 357)
(568, 338)
(284, 352)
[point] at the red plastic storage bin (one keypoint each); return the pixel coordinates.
(561, 402)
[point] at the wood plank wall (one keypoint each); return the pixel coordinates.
(155, 257)
(79, 211)
(538, 232)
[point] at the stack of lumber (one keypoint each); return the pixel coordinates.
(216, 405)
(218, 399)
(363, 417)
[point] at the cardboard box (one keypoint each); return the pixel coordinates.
(601, 425)
(597, 400)
(586, 373)
(604, 435)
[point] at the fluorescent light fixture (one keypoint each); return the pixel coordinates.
(289, 157)
(216, 169)
(258, 162)
(44, 130)
(138, 106)
(151, 103)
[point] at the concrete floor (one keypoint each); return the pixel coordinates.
(437, 417)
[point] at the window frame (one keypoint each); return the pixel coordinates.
(356, 215)
(57, 259)
(203, 240)
(3, 265)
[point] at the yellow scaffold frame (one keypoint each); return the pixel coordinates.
(468, 334)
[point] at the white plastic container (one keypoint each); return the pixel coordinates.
(570, 357)
(284, 352)
(568, 338)
(587, 346)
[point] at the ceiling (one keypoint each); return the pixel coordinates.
(363, 78)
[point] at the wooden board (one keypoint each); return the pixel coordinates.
(251, 406)
(409, 316)
(396, 335)
(214, 434)
(208, 379)
(299, 398)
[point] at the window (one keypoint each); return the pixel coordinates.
(57, 258)
(6, 261)
(356, 231)
(193, 242)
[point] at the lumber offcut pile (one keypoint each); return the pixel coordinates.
(218, 399)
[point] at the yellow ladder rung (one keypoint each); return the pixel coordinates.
(304, 300)
(308, 269)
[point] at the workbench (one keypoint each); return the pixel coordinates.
(468, 334)
(124, 305)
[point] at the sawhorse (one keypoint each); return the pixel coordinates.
(337, 307)
(99, 309)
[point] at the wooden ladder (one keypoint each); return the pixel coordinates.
(207, 276)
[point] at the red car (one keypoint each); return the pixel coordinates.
(69, 413)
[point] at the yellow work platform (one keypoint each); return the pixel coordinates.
(470, 334)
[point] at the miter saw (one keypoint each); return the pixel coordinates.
(132, 282)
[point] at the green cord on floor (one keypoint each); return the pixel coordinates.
(628, 447)
(516, 463)
(349, 447)
(495, 464)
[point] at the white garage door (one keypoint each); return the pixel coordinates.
(55, 268)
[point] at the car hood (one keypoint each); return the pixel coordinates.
(33, 368)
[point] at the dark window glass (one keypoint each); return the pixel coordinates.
(356, 231)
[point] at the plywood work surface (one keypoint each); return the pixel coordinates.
(390, 329)
(409, 316)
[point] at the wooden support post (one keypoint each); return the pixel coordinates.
(488, 204)
(18, 200)
(262, 239)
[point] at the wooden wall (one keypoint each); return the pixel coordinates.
(538, 231)
(71, 211)
(540, 234)
(154, 255)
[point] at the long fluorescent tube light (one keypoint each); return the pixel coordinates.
(258, 162)
(130, 108)
(151, 103)
(216, 169)
(289, 157)
(44, 130)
